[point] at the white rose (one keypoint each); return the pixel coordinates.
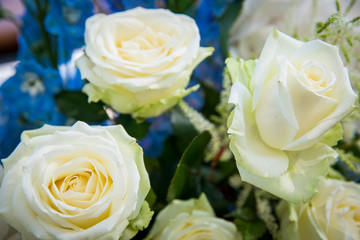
(140, 61)
(333, 214)
(192, 219)
(296, 18)
(298, 92)
(76, 182)
(6, 231)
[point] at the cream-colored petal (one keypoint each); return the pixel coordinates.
(274, 114)
(250, 151)
(276, 44)
(299, 182)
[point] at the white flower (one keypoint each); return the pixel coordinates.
(6, 231)
(140, 61)
(76, 182)
(333, 214)
(297, 93)
(293, 17)
(193, 219)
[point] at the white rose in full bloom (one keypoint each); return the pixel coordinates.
(296, 18)
(297, 92)
(192, 219)
(140, 61)
(333, 214)
(76, 182)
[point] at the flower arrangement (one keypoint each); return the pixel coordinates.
(176, 119)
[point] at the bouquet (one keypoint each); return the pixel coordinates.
(171, 119)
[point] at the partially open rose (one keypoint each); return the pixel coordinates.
(140, 61)
(76, 182)
(295, 94)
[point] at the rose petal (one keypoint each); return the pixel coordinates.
(249, 149)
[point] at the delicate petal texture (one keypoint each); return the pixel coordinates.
(140, 61)
(246, 144)
(76, 182)
(277, 44)
(193, 219)
(296, 94)
(334, 213)
(275, 115)
(301, 178)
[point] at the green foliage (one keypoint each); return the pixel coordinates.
(265, 213)
(183, 129)
(82, 110)
(185, 184)
(348, 158)
(227, 169)
(250, 230)
(162, 169)
(179, 6)
(337, 31)
(334, 17)
(247, 220)
(135, 129)
(215, 196)
(225, 23)
(211, 99)
(151, 198)
(332, 136)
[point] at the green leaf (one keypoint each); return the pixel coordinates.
(212, 98)
(151, 164)
(245, 213)
(135, 129)
(193, 155)
(215, 197)
(227, 169)
(183, 129)
(250, 230)
(226, 21)
(151, 198)
(179, 6)
(75, 105)
(163, 171)
(332, 136)
(185, 184)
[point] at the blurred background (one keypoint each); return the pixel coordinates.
(8, 37)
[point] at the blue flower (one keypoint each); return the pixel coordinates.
(26, 102)
(218, 7)
(210, 71)
(32, 44)
(66, 20)
(195, 99)
(159, 130)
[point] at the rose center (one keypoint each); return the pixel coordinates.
(317, 77)
(76, 182)
(148, 39)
